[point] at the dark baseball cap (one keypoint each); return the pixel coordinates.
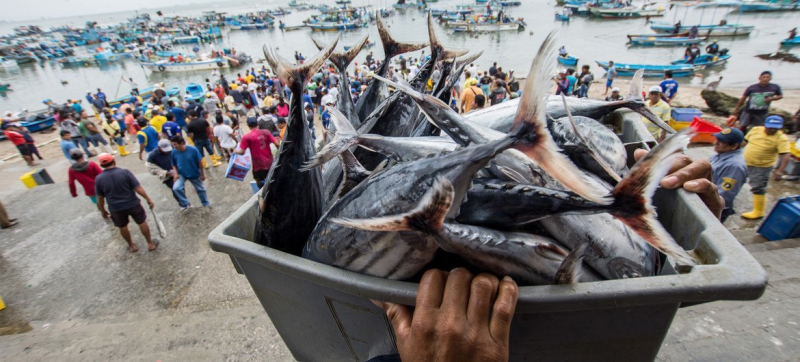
(730, 135)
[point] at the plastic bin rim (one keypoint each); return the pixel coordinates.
(735, 276)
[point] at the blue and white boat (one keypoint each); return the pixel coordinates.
(163, 66)
(791, 42)
(185, 39)
(568, 60)
(194, 92)
(705, 30)
(763, 6)
(509, 3)
(562, 17)
(706, 60)
(650, 70)
(665, 41)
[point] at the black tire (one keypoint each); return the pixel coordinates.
(219, 64)
(161, 68)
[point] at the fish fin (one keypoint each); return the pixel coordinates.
(436, 45)
(639, 107)
(402, 86)
(343, 59)
(511, 174)
(589, 144)
(353, 171)
(318, 43)
(637, 85)
(533, 139)
(427, 217)
(570, 270)
(286, 72)
(633, 193)
(391, 47)
(340, 141)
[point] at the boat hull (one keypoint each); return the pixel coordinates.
(666, 41)
(186, 67)
(706, 61)
(464, 27)
(683, 70)
(706, 30)
(625, 14)
(568, 61)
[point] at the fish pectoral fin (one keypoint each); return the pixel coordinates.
(570, 270)
(427, 217)
(511, 174)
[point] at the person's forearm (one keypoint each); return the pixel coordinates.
(739, 105)
(101, 204)
(140, 190)
(784, 162)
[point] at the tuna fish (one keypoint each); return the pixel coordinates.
(291, 201)
(341, 61)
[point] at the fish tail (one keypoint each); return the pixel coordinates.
(391, 47)
(353, 174)
(345, 137)
(633, 193)
(287, 72)
(637, 86)
(534, 140)
(570, 270)
(427, 217)
(436, 46)
(341, 60)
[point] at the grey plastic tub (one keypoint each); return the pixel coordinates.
(323, 313)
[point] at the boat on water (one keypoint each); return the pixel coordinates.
(186, 39)
(194, 92)
(164, 66)
(562, 17)
(509, 3)
(84, 61)
(5, 87)
(367, 45)
(8, 63)
(568, 60)
(705, 30)
(235, 25)
(334, 26)
(706, 60)
(665, 41)
(679, 35)
(651, 70)
(292, 27)
(763, 6)
(791, 42)
(296, 4)
(407, 6)
(343, 2)
(626, 12)
(462, 27)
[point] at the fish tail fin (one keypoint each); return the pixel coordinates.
(436, 46)
(353, 173)
(342, 60)
(637, 85)
(570, 270)
(391, 47)
(534, 140)
(402, 86)
(286, 71)
(427, 217)
(345, 137)
(590, 146)
(633, 193)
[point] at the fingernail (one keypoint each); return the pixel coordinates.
(454, 269)
(508, 279)
(671, 181)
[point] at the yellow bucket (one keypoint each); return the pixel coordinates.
(2, 304)
(28, 180)
(678, 126)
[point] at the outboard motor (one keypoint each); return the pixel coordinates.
(723, 52)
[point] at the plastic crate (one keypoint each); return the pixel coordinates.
(28, 180)
(783, 222)
(685, 114)
(678, 126)
(705, 131)
(323, 313)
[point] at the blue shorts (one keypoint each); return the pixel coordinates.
(609, 82)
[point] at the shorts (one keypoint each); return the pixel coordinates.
(751, 120)
(758, 178)
(260, 176)
(609, 82)
(24, 149)
(120, 218)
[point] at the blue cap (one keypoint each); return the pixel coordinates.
(730, 135)
(48, 100)
(774, 122)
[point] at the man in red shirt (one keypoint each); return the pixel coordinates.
(258, 141)
(84, 172)
(12, 133)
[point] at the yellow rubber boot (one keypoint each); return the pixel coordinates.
(759, 204)
(215, 161)
(122, 151)
(205, 164)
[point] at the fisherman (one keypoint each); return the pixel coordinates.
(730, 169)
(225, 137)
(258, 141)
(77, 138)
(758, 97)
(147, 137)
(13, 133)
(765, 145)
(493, 69)
(134, 85)
(187, 165)
(692, 52)
(158, 119)
(114, 132)
(712, 48)
(310, 117)
(468, 97)
(611, 73)
(498, 94)
(562, 84)
(586, 78)
(669, 86)
(198, 131)
(170, 128)
(677, 29)
(571, 81)
(210, 104)
(120, 187)
(84, 172)
(67, 145)
(693, 32)
(792, 34)
(660, 108)
(562, 52)
(178, 113)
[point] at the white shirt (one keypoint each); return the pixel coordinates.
(333, 92)
(327, 97)
(223, 133)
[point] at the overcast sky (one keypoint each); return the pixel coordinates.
(22, 10)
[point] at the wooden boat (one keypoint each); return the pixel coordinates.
(484, 27)
(568, 60)
(185, 39)
(760, 6)
(665, 41)
(626, 12)
(331, 26)
(405, 6)
(343, 2)
(686, 34)
(705, 30)
(791, 42)
(165, 66)
(509, 3)
(650, 70)
(562, 17)
(195, 92)
(248, 26)
(4, 87)
(706, 60)
(39, 122)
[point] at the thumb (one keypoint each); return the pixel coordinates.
(399, 315)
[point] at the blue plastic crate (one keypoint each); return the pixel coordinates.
(685, 114)
(783, 221)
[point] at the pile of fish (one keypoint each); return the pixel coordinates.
(535, 188)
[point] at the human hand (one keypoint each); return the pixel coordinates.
(694, 176)
(140, 156)
(777, 175)
(457, 318)
(150, 203)
(202, 177)
(105, 214)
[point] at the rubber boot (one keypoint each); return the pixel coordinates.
(205, 164)
(122, 151)
(759, 204)
(215, 161)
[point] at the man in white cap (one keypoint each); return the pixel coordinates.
(159, 163)
(660, 109)
(615, 96)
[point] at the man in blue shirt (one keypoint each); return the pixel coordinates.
(67, 144)
(170, 128)
(179, 113)
(148, 138)
(730, 168)
(669, 87)
(611, 73)
(76, 106)
(187, 165)
(102, 96)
